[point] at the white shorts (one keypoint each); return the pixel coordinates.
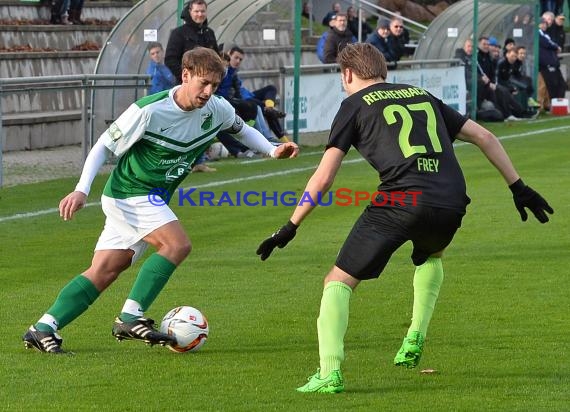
(129, 221)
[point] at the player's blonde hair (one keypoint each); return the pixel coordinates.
(365, 60)
(202, 61)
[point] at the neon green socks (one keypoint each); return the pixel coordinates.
(72, 301)
(152, 277)
(332, 324)
(427, 282)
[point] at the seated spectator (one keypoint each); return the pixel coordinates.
(464, 54)
(487, 87)
(247, 110)
(399, 37)
(379, 39)
(321, 45)
(161, 78)
(509, 44)
(508, 76)
(521, 75)
(494, 49)
(339, 36)
(330, 15)
(353, 26)
(263, 99)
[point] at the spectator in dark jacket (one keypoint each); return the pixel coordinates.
(339, 36)
(353, 26)
(464, 54)
(556, 31)
(548, 62)
(379, 39)
(193, 33)
(399, 37)
(487, 87)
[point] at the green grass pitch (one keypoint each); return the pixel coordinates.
(497, 339)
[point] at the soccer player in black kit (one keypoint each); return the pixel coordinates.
(406, 134)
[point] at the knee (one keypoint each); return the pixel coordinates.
(184, 249)
(101, 278)
(177, 252)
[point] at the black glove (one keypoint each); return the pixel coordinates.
(524, 196)
(279, 238)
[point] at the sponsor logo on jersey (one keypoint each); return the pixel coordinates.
(176, 172)
(206, 121)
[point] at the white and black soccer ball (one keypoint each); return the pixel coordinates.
(217, 151)
(188, 325)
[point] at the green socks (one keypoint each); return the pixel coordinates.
(72, 301)
(427, 282)
(80, 293)
(152, 277)
(332, 324)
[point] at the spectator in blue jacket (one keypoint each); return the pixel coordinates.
(161, 77)
(379, 39)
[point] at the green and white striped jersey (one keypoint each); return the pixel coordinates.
(157, 142)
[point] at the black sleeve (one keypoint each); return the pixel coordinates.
(213, 41)
(173, 54)
(454, 120)
(343, 129)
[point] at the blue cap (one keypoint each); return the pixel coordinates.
(493, 41)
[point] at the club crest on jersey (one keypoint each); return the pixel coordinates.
(206, 121)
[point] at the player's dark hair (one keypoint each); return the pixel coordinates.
(185, 15)
(365, 60)
(201, 61)
(236, 49)
(154, 44)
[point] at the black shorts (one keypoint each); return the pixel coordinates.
(380, 231)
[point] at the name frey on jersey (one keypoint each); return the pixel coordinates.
(377, 95)
(428, 165)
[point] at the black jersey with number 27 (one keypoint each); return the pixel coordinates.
(407, 135)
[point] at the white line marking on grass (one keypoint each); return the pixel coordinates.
(266, 175)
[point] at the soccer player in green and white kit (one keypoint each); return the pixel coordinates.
(406, 134)
(156, 139)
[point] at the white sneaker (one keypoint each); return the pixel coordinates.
(512, 118)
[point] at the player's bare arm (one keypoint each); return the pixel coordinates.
(476, 134)
(320, 182)
(523, 195)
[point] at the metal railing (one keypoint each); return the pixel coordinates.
(87, 84)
